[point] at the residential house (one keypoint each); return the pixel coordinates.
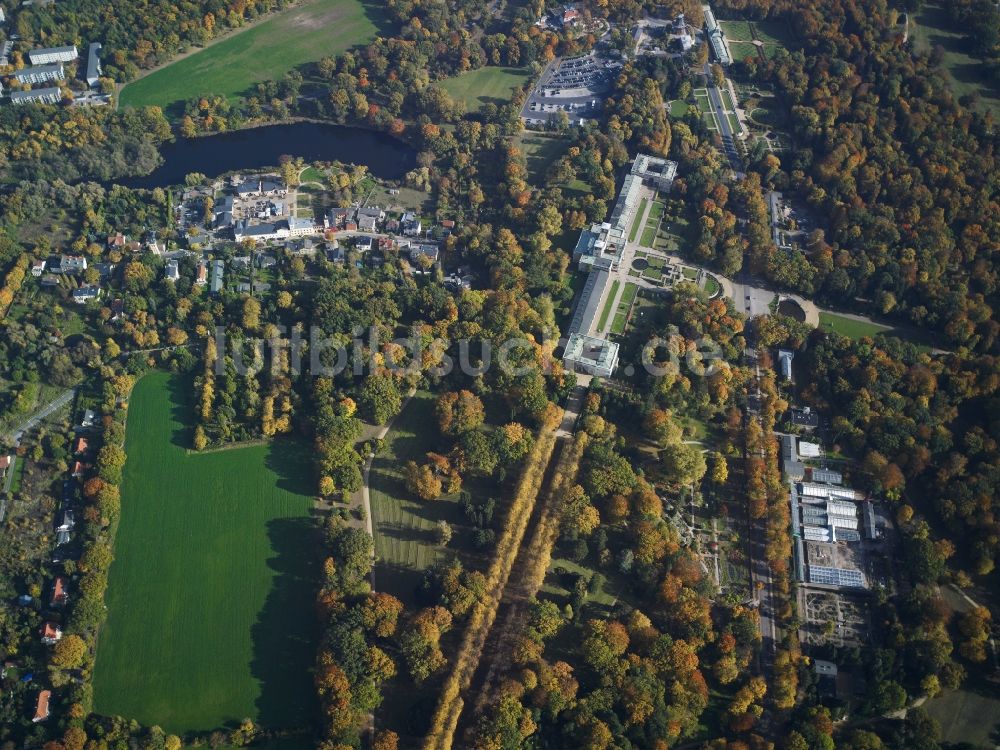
(48, 55)
(78, 468)
(51, 95)
(38, 268)
(411, 225)
(367, 223)
(255, 186)
(350, 226)
(785, 362)
(419, 251)
(49, 280)
(117, 308)
(50, 633)
(117, 241)
(60, 596)
(80, 446)
(368, 218)
(201, 277)
(218, 275)
(93, 64)
(335, 218)
(173, 271)
(364, 243)
(805, 418)
(266, 260)
(336, 254)
(570, 16)
(6, 462)
(72, 264)
(40, 74)
(448, 225)
(42, 706)
(89, 417)
(224, 213)
(85, 294)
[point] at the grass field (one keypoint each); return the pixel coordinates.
(772, 33)
(404, 525)
(648, 235)
(265, 51)
(852, 329)
(970, 715)
(609, 304)
(930, 28)
(483, 86)
(540, 152)
(737, 30)
(743, 50)
(210, 615)
(637, 221)
(679, 108)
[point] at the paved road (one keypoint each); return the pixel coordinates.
(728, 137)
(16, 434)
(41, 414)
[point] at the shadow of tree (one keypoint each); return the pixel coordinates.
(286, 632)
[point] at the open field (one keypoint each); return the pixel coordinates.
(483, 86)
(679, 108)
(266, 51)
(930, 28)
(404, 526)
(852, 329)
(540, 152)
(970, 715)
(210, 615)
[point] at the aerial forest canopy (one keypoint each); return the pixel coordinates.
(904, 174)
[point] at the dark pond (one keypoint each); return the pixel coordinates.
(255, 148)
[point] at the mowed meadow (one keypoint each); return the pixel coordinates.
(304, 33)
(210, 596)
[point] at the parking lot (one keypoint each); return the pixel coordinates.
(575, 86)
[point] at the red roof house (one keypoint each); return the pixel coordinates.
(59, 594)
(50, 633)
(42, 706)
(80, 446)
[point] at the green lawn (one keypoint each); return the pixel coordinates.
(311, 174)
(480, 87)
(578, 186)
(628, 295)
(540, 152)
(648, 235)
(656, 210)
(711, 285)
(970, 715)
(743, 50)
(609, 305)
(678, 108)
(404, 526)
(637, 221)
(266, 51)
(772, 32)
(852, 329)
(930, 28)
(738, 30)
(210, 615)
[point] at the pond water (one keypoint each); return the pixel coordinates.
(386, 157)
